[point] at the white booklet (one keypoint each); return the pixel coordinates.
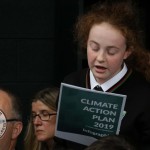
(85, 115)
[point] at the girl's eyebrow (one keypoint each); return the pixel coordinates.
(113, 47)
(42, 110)
(91, 41)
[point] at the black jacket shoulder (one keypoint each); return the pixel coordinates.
(76, 78)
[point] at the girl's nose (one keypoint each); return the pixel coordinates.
(101, 56)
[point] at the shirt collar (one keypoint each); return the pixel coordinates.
(108, 84)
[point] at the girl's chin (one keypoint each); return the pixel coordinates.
(100, 78)
(41, 139)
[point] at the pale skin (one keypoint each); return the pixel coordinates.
(9, 139)
(44, 130)
(106, 51)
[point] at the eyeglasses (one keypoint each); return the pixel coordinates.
(9, 120)
(44, 116)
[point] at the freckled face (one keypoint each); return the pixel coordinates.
(44, 130)
(106, 51)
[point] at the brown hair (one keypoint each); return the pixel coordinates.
(122, 15)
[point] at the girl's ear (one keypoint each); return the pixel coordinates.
(128, 52)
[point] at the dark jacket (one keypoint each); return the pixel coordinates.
(136, 123)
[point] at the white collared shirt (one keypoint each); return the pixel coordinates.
(108, 84)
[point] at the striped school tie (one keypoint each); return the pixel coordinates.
(98, 88)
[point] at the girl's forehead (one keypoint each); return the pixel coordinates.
(106, 26)
(38, 106)
(106, 34)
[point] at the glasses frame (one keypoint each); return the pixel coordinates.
(9, 120)
(13, 119)
(49, 114)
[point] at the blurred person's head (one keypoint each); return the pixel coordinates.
(41, 127)
(10, 120)
(112, 142)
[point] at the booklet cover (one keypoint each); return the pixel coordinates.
(85, 115)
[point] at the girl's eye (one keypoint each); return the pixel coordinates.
(33, 115)
(94, 46)
(112, 51)
(45, 113)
